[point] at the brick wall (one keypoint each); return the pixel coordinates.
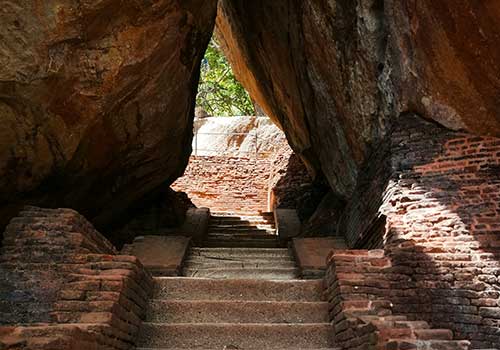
(63, 285)
(244, 184)
(431, 198)
(226, 183)
(359, 284)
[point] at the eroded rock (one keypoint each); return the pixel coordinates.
(96, 100)
(335, 74)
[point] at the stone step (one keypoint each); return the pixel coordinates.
(243, 273)
(427, 344)
(249, 233)
(241, 214)
(218, 216)
(228, 348)
(239, 253)
(241, 222)
(242, 243)
(245, 264)
(236, 336)
(197, 259)
(237, 222)
(183, 288)
(180, 311)
(243, 237)
(245, 234)
(241, 226)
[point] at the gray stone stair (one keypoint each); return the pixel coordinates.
(204, 313)
(232, 253)
(236, 336)
(215, 311)
(181, 288)
(240, 291)
(237, 230)
(232, 242)
(241, 263)
(274, 273)
(196, 263)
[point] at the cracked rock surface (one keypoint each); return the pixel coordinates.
(335, 74)
(96, 100)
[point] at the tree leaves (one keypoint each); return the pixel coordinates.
(219, 93)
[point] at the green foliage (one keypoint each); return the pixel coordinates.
(219, 93)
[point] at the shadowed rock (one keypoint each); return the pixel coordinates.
(96, 100)
(335, 74)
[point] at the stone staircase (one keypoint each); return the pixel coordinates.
(200, 313)
(242, 230)
(240, 292)
(241, 246)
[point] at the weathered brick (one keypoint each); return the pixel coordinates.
(96, 297)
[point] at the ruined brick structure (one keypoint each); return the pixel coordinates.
(431, 198)
(226, 183)
(64, 286)
(287, 178)
(244, 184)
(359, 292)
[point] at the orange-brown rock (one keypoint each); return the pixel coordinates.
(96, 100)
(335, 74)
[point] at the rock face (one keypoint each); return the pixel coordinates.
(239, 136)
(96, 100)
(336, 74)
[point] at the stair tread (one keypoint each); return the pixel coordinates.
(236, 257)
(243, 244)
(241, 237)
(287, 348)
(255, 273)
(236, 249)
(241, 302)
(250, 234)
(457, 344)
(189, 288)
(240, 257)
(235, 263)
(264, 269)
(245, 336)
(241, 227)
(241, 218)
(239, 312)
(253, 235)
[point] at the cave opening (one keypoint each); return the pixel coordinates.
(241, 161)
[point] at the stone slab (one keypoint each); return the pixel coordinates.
(311, 253)
(287, 223)
(236, 336)
(196, 224)
(186, 288)
(161, 255)
(215, 311)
